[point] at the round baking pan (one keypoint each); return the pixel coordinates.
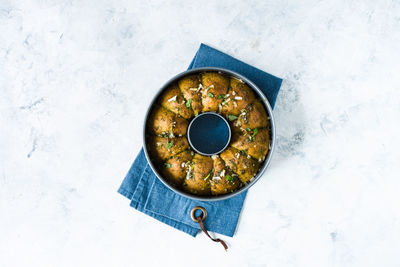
(264, 164)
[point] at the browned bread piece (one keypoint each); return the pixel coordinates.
(190, 88)
(253, 116)
(254, 142)
(198, 176)
(243, 165)
(175, 168)
(173, 100)
(238, 97)
(166, 123)
(224, 180)
(162, 148)
(215, 86)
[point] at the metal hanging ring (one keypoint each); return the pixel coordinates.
(197, 219)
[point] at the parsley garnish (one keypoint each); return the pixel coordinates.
(228, 177)
(189, 103)
(167, 165)
(169, 145)
(208, 175)
(221, 96)
(210, 94)
(253, 136)
(255, 132)
(232, 117)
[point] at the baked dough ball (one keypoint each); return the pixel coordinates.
(215, 87)
(245, 166)
(173, 100)
(166, 123)
(224, 180)
(162, 148)
(190, 88)
(253, 116)
(175, 168)
(199, 174)
(238, 97)
(254, 142)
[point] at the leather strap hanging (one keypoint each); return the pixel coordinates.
(199, 219)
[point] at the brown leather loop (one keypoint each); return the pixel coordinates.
(200, 219)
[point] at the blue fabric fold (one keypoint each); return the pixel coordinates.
(148, 195)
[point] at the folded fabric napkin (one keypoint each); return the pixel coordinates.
(150, 196)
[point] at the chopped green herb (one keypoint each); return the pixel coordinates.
(189, 103)
(232, 117)
(210, 94)
(221, 96)
(169, 145)
(209, 174)
(248, 129)
(255, 132)
(167, 165)
(228, 177)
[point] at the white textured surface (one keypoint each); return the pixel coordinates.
(76, 76)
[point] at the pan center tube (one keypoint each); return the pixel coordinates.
(209, 133)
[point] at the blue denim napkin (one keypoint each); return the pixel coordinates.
(148, 195)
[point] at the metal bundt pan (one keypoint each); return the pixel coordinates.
(265, 163)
